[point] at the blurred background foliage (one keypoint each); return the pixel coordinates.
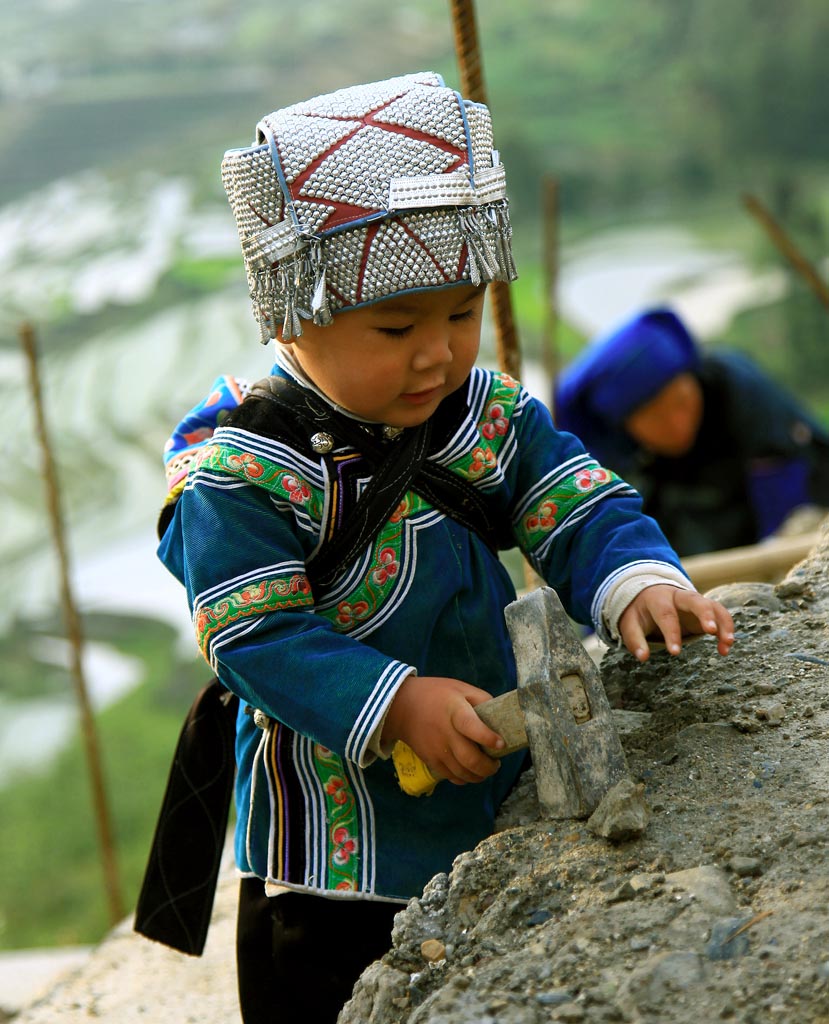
(639, 111)
(620, 103)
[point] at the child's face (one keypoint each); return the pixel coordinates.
(394, 362)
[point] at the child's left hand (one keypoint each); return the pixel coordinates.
(673, 613)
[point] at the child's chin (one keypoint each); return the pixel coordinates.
(413, 419)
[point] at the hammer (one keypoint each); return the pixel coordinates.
(560, 711)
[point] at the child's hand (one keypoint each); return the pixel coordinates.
(673, 613)
(435, 717)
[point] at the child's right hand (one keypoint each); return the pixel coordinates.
(435, 716)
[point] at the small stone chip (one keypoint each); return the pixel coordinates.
(622, 814)
(745, 867)
(771, 713)
(432, 950)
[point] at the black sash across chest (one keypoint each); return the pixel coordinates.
(280, 409)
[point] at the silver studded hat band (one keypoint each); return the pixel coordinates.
(365, 193)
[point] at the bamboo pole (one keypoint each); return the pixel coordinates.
(75, 636)
(470, 65)
(551, 358)
(788, 248)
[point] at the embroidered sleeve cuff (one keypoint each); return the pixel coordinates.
(364, 744)
(616, 593)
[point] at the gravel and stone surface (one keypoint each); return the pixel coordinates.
(717, 911)
(702, 897)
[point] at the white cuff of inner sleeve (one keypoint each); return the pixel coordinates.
(630, 585)
(374, 748)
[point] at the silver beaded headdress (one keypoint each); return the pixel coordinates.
(365, 193)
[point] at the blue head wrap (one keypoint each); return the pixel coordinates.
(616, 374)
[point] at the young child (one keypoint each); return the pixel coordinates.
(337, 533)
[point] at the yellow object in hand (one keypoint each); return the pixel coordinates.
(412, 774)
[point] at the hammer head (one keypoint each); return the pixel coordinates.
(575, 747)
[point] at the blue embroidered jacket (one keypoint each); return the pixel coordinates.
(316, 810)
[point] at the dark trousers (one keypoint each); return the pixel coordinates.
(298, 956)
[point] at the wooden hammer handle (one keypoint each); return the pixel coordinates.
(503, 715)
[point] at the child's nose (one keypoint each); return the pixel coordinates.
(433, 349)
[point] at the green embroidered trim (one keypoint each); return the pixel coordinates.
(343, 844)
(378, 583)
(554, 507)
(492, 429)
(268, 595)
(262, 472)
(374, 589)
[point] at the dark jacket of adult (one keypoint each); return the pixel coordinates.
(757, 455)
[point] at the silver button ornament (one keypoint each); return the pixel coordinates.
(322, 442)
(260, 719)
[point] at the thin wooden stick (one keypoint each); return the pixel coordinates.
(467, 49)
(75, 637)
(788, 248)
(470, 65)
(748, 924)
(550, 355)
(468, 53)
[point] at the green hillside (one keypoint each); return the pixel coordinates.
(641, 112)
(616, 100)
